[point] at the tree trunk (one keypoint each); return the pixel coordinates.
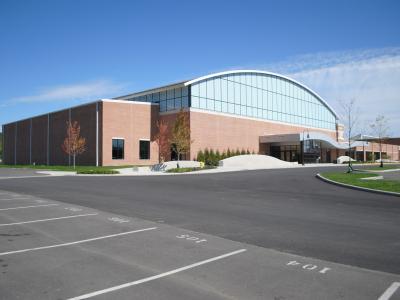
(74, 161)
(380, 153)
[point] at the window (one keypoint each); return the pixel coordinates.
(144, 149)
(118, 148)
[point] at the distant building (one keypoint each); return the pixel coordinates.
(252, 110)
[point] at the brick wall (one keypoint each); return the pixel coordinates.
(132, 122)
(39, 139)
(221, 132)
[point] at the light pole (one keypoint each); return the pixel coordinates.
(302, 146)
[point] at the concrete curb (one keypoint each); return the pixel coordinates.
(354, 187)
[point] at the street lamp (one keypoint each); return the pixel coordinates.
(302, 149)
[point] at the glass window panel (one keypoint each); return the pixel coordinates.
(279, 102)
(231, 108)
(118, 149)
(210, 104)
(202, 89)
(195, 101)
(259, 81)
(203, 103)
(170, 94)
(231, 92)
(243, 91)
(224, 90)
(185, 101)
(237, 109)
(170, 104)
(163, 105)
(178, 103)
(243, 110)
(195, 90)
(224, 107)
(237, 93)
(156, 97)
(259, 98)
(163, 95)
(248, 96)
(144, 149)
(210, 89)
(217, 89)
(178, 92)
(218, 106)
(185, 91)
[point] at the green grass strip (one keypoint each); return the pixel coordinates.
(355, 179)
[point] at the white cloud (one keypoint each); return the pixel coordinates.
(372, 77)
(82, 91)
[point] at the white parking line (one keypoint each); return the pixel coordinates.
(10, 199)
(390, 291)
(77, 242)
(20, 207)
(51, 219)
(125, 285)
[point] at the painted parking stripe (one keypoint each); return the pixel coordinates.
(77, 242)
(125, 285)
(10, 199)
(51, 219)
(390, 291)
(30, 206)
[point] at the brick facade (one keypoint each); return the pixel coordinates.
(38, 140)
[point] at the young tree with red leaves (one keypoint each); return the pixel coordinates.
(181, 134)
(74, 144)
(162, 140)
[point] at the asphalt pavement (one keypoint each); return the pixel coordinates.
(273, 234)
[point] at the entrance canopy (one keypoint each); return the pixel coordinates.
(296, 138)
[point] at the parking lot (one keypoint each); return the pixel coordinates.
(54, 250)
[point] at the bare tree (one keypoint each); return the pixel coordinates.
(380, 129)
(350, 118)
(74, 144)
(181, 134)
(162, 140)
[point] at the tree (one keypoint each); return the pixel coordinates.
(181, 134)
(380, 129)
(350, 117)
(74, 144)
(162, 140)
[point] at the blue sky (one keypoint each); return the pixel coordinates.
(54, 54)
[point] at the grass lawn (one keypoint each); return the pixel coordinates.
(385, 167)
(64, 168)
(355, 179)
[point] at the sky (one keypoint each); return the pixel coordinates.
(56, 54)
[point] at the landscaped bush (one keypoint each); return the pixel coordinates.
(101, 171)
(211, 158)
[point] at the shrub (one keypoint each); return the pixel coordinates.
(237, 152)
(223, 155)
(102, 171)
(247, 151)
(228, 153)
(200, 156)
(217, 156)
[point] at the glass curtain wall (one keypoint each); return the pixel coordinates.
(262, 96)
(172, 99)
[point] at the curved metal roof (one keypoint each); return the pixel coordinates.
(264, 73)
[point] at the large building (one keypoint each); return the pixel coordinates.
(252, 110)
